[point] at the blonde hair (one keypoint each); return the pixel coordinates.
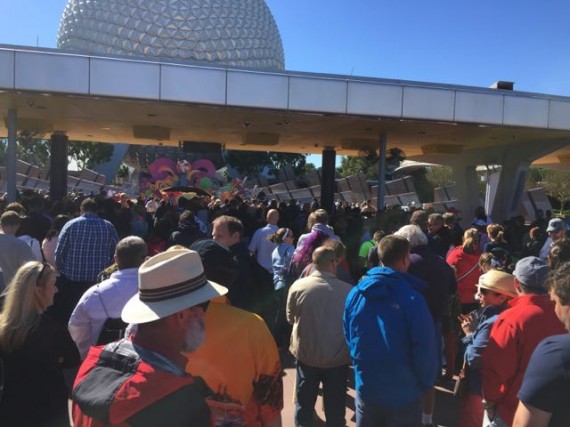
(311, 220)
(496, 232)
(23, 304)
(471, 241)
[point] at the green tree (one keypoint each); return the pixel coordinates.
(352, 165)
(557, 185)
(248, 162)
(533, 178)
(253, 162)
(439, 176)
(34, 149)
(309, 167)
(30, 149)
(89, 154)
(296, 161)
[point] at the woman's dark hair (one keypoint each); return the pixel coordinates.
(56, 226)
(280, 235)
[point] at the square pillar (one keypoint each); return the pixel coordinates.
(58, 166)
(328, 179)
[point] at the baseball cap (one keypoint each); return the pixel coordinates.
(556, 225)
(532, 272)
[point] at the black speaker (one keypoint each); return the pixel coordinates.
(202, 147)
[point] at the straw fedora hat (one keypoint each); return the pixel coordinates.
(168, 283)
(498, 281)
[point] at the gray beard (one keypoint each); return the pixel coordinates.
(194, 336)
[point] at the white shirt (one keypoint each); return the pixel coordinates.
(263, 248)
(89, 316)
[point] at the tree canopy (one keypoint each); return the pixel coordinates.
(33, 148)
(556, 183)
(89, 154)
(253, 162)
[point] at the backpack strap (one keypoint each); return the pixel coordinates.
(101, 301)
(463, 276)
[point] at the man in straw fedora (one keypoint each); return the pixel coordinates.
(142, 381)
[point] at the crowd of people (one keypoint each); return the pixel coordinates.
(177, 310)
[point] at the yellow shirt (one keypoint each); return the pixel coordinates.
(240, 363)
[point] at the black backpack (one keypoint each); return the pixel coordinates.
(113, 328)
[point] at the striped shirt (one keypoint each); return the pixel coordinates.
(86, 246)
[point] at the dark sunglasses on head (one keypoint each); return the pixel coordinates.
(42, 271)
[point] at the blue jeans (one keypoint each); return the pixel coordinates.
(369, 415)
(334, 394)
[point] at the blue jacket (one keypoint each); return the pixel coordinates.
(390, 333)
(477, 343)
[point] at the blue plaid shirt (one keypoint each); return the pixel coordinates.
(86, 245)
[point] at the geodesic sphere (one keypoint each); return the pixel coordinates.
(242, 33)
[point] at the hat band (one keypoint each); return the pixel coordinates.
(173, 291)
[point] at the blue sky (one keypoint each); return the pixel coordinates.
(459, 42)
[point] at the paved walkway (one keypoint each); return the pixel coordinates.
(445, 411)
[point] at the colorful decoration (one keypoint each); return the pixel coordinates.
(165, 172)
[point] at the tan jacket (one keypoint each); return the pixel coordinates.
(315, 307)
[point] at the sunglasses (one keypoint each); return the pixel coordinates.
(484, 291)
(39, 279)
(203, 305)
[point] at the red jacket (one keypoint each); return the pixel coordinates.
(514, 336)
(467, 273)
(115, 387)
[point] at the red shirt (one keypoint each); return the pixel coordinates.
(514, 336)
(467, 273)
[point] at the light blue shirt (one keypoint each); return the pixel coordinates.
(263, 248)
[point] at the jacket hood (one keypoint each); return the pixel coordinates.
(379, 282)
(188, 226)
(323, 228)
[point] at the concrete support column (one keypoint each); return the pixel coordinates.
(58, 166)
(515, 162)
(466, 188)
(508, 194)
(11, 154)
(381, 174)
(328, 179)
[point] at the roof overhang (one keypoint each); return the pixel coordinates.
(160, 102)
